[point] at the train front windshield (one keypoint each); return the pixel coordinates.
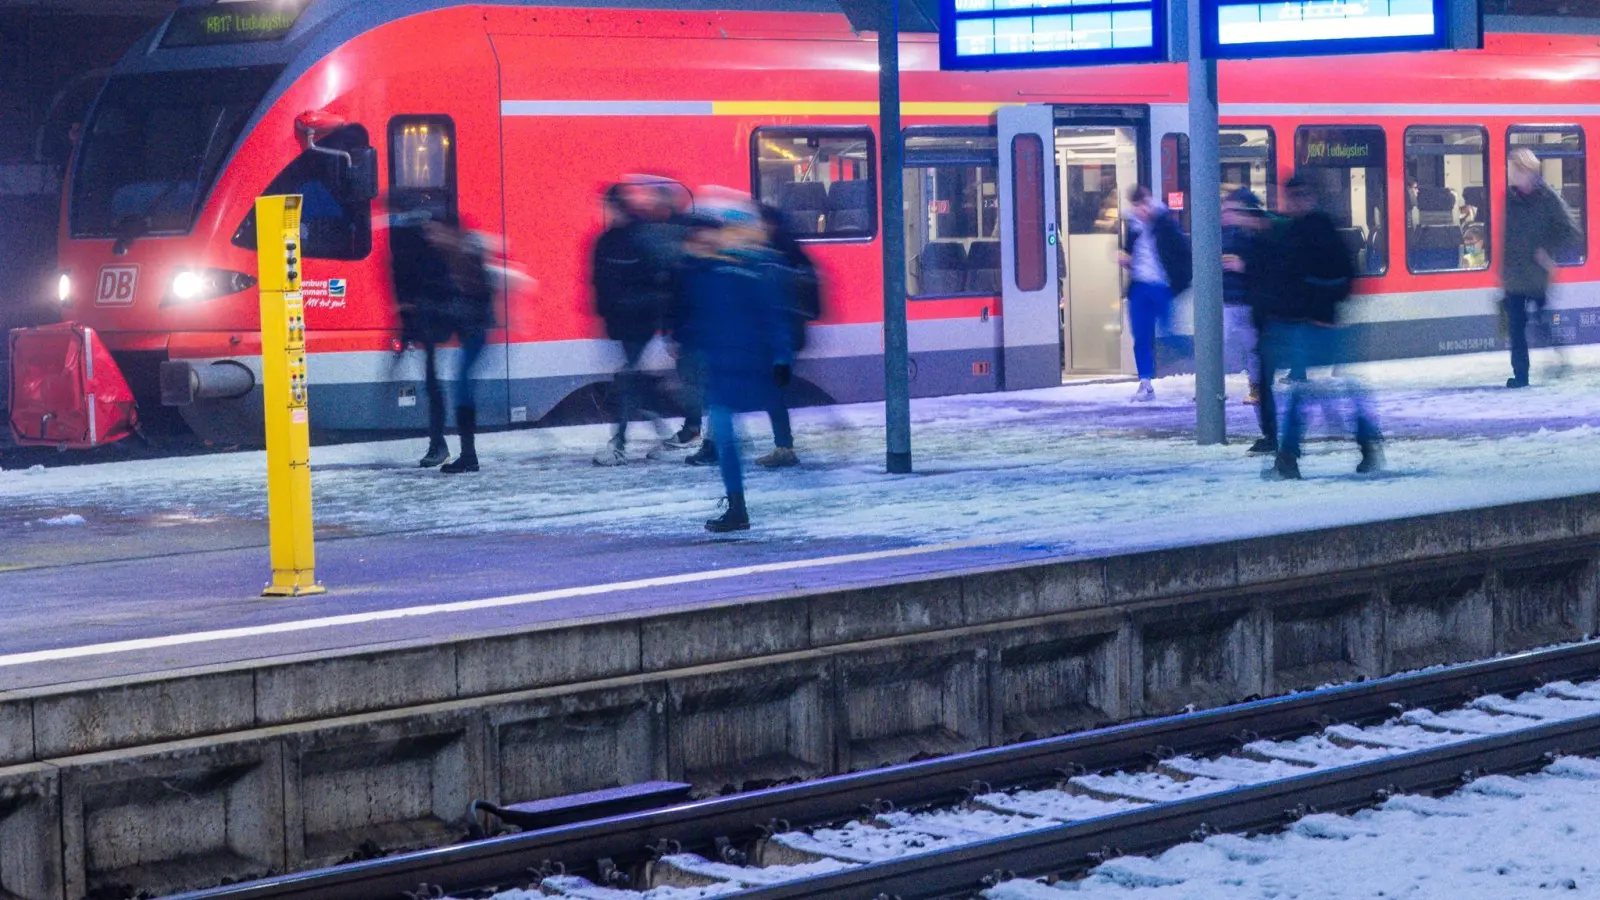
(155, 144)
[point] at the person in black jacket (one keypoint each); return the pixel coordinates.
(1159, 265)
(632, 279)
(1537, 226)
(1304, 331)
(469, 312)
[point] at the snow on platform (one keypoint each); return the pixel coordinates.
(1077, 468)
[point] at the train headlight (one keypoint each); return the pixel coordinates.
(196, 285)
(186, 286)
(64, 288)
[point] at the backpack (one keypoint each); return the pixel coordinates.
(1172, 246)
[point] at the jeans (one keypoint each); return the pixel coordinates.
(1303, 345)
(472, 344)
(727, 443)
(631, 387)
(1148, 304)
(1517, 321)
(1239, 342)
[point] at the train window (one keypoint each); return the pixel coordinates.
(1027, 205)
(331, 226)
(1250, 160)
(1447, 204)
(822, 179)
(1561, 155)
(422, 165)
(1175, 176)
(1347, 166)
(953, 198)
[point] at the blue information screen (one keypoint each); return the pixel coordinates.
(1017, 34)
(1246, 28)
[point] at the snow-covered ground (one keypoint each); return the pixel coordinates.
(1076, 467)
(1498, 838)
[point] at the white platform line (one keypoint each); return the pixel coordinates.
(382, 615)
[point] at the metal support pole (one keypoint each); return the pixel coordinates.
(1205, 221)
(896, 353)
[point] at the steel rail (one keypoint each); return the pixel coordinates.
(945, 780)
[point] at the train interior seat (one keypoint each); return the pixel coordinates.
(804, 205)
(942, 268)
(983, 267)
(850, 205)
(1434, 248)
(1437, 206)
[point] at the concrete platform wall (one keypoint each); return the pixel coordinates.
(163, 784)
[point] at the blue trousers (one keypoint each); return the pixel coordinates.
(727, 441)
(1148, 305)
(1302, 345)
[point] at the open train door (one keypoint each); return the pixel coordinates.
(1030, 288)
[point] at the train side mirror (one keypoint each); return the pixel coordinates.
(360, 177)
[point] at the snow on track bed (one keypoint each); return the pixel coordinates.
(1498, 838)
(1569, 790)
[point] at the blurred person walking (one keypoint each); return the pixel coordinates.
(1160, 267)
(738, 321)
(631, 272)
(1253, 267)
(1241, 219)
(1538, 225)
(1318, 275)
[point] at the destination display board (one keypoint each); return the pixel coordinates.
(1254, 28)
(231, 22)
(1026, 34)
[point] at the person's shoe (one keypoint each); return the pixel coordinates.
(1284, 468)
(779, 458)
(705, 456)
(1144, 394)
(1253, 398)
(612, 455)
(437, 454)
(1516, 382)
(734, 518)
(683, 440)
(1371, 460)
(460, 464)
(1263, 445)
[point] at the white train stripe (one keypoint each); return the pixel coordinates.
(1468, 112)
(606, 108)
(411, 612)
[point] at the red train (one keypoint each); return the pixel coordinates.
(510, 116)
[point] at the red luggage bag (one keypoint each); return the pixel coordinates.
(66, 390)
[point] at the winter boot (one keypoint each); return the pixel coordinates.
(779, 458)
(705, 456)
(467, 423)
(1371, 459)
(1263, 446)
(734, 518)
(1285, 468)
(437, 453)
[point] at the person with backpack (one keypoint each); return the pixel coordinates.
(804, 305)
(1538, 225)
(1160, 267)
(1305, 331)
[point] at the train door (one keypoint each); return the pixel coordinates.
(1063, 173)
(1095, 166)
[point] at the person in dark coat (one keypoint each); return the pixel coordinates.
(631, 273)
(442, 290)
(1305, 331)
(803, 304)
(739, 323)
(1241, 220)
(1538, 225)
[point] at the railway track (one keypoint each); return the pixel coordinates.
(950, 826)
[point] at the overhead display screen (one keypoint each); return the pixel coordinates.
(1026, 34)
(231, 22)
(1247, 28)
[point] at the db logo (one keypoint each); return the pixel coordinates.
(116, 285)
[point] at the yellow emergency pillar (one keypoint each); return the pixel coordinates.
(283, 384)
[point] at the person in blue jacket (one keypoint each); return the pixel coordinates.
(738, 321)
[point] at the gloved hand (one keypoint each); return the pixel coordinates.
(780, 375)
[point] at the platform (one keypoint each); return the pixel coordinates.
(1062, 558)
